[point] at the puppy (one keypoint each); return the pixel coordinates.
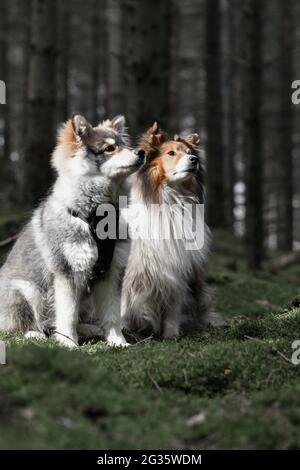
(57, 261)
(163, 286)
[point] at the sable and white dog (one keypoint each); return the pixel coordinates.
(163, 287)
(44, 282)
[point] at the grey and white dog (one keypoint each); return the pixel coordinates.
(44, 282)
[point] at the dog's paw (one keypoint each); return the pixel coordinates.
(35, 335)
(66, 342)
(171, 331)
(117, 341)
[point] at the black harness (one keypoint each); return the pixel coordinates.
(105, 247)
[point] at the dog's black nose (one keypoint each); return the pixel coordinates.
(194, 160)
(140, 153)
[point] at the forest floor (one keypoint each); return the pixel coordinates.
(215, 389)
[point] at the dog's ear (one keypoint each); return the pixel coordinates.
(154, 129)
(80, 125)
(119, 124)
(155, 136)
(192, 139)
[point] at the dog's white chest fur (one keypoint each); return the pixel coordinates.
(80, 256)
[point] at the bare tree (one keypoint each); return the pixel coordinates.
(230, 99)
(214, 145)
(285, 157)
(253, 153)
(41, 99)
(146, 62)
(16, 71)
(100, 59)
(3, 58)
(115, 93)
(62, 60)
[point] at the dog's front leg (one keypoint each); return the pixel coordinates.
(66, 311)
(172, 320)
(108, 303)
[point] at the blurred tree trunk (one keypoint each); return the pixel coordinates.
(174, 105)
(214, 146)
(285, 158)
(146, 62)
(3, 58)
(100, 60)
(115, 93)
(81, 58)
(296, 124)
(230, 87)
(16, 71)
(187, 75)
(253, 154)
(41, 100)
(4, 154)
(62, 60)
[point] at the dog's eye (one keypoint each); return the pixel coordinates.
(171, 153)
(110, 148)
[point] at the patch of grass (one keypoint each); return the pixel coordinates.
(215, 389)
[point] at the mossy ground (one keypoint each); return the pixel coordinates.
(216, 389)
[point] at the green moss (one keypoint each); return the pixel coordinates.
(245, 393)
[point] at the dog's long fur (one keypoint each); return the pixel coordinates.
(163, 287)
(43, 284)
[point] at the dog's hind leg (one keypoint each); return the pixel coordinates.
(16, 312)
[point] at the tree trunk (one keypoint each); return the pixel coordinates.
(41, 100)
(252, 131)
(62, 60)
(115, 93)
(16, 71)
(146, 63)
(81, 58)
(100, 60)
(3, 60)
(214, 145)
(230, 87)
(285, 159)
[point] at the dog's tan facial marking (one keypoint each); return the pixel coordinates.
(170, 153)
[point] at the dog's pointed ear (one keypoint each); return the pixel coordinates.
(154, 129)
(119, 124)
(192, 139)
(155, 135)
(80, 125)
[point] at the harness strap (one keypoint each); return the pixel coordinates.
(105, 247)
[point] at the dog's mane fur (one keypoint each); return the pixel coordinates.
(160, 271)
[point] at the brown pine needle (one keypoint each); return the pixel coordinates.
(273, 348)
